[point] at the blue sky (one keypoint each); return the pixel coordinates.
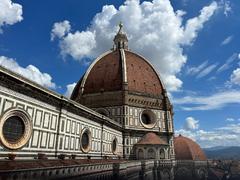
(192, 44)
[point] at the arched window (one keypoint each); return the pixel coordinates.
(162, 154)
(151, 154)
(114, 146)
(140, 154)
(166, 175)
(119, 44)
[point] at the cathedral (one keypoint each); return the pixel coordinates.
(118, 122)
(124, 87)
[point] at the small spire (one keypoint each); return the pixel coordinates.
(120, 28)
(120, 39)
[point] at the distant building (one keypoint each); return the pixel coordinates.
(119, 109)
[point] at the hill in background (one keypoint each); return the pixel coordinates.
(223, 152)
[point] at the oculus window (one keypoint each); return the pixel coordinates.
(15, 129)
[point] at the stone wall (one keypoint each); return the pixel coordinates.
(128, 170)
(56, 124)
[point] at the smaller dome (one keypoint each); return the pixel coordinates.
(151, 138)
(187, 149)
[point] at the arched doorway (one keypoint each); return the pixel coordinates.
(151, 154)
(165, 175)
(162, 154)
(202, 174)
(140, 154)
(183, 173)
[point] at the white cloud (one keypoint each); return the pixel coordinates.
(60, 29)
(233, 128)
(235, 77)
(228, 63)
(195, 24)
(172, 82)
(197, 69)
(31, 72)
(158, 33)
(78, 45)
(212, 78)
(215, 101)
(207, 70)
(202, 70)
(10, 13)
(230, 119)
(191, 124)
(227, 40)
(70, 88)
(223, 136)
(226, 7)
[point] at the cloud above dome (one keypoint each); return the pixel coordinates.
(154, 30)
(69, 90)
(60, 29)
(10, 13)
(235, 77)
(191, 123)
(227, 135)
(30, 72)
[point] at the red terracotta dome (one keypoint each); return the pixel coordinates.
(187, 149)
(119, 69)
(152, 139)
(107, 74)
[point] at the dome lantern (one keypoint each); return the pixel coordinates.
(120, 39)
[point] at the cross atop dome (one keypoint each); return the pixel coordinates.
(120, 39)
(120, 27)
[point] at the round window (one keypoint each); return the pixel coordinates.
(114, 146)
(15, 129)
(148, 119)
(86, 141)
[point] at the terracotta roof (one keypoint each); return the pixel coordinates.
(152, 138)
(187, 149)
(106, 74)
(141, 76)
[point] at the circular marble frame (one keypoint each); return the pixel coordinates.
(27, 129)
(152, 117)
(114, 151)
(86, 150)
